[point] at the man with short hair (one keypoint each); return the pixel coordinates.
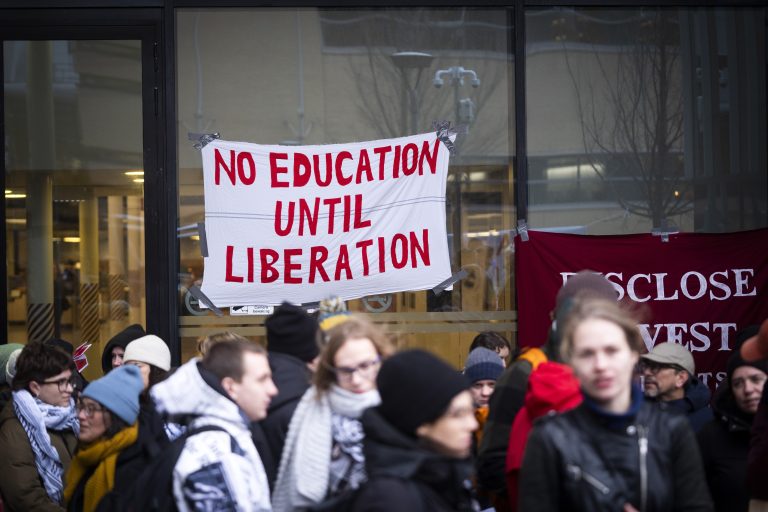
(231, 387)
(669, 377)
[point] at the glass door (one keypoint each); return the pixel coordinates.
(74, 190)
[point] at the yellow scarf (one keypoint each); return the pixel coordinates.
(103, 456)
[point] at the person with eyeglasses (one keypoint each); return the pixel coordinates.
(322, 457)
(669, 378)
(38, 430)
(151, 356)
(107, 411)
(725, 440)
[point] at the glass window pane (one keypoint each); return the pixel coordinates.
(321, 76)
(662, 111)
(74, 192)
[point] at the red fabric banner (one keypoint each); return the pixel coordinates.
(701, 289)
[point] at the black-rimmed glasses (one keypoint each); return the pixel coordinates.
(655, 368)
(63, 383)
(366, 369)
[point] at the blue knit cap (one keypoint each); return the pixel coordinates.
(483, 364)
(119, 392)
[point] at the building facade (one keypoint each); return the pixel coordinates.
(592, 117)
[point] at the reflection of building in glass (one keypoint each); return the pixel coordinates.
(651, 101)
(635, 117)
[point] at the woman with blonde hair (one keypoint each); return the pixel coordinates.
(615, 451)
(323, 453)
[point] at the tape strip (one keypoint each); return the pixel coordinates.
(522, 230)
(203, 239)
(444, 132)
(455, 278)
(199, 295)
(202, 139)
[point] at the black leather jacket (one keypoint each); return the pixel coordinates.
(585, 460)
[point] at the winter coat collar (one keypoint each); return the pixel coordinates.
(728, 413)
(696, 397)
(390, 453)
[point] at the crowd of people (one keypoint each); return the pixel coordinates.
(329, 416)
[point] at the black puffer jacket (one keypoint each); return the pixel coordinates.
(724, 444)
(291, 377)
(584, 460)
(404, 476)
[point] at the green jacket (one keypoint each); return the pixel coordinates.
(21, 487)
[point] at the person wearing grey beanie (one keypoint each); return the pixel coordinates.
(482, 369)
(107, 410)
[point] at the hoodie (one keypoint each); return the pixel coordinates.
(216, 470)
(695, 404)
(121, 339)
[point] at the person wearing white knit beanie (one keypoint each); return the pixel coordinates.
(147, 352)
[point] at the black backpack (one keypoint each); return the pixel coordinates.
(152, 491)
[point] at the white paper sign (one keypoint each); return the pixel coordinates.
(301, 223)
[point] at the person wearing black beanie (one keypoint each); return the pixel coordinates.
(293, 353)
(418, 440)
(291, 330)
(725, 440)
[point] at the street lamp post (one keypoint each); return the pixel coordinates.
(405, 61)
(456, 75)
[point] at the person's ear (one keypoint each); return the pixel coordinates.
(34, 388)
(682, 378)
(423, 430)
(230, 386)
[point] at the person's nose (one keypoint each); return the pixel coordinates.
(272, 388)
(751, 388)
(600, 361)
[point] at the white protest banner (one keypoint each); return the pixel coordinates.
(301, 223)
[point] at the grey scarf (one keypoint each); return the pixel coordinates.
(303, 477)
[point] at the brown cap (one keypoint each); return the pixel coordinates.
(756, 347)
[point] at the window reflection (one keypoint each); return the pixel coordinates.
(320, 76)
(659, 105)
(73, 202)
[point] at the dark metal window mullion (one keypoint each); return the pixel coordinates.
(521, 150)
